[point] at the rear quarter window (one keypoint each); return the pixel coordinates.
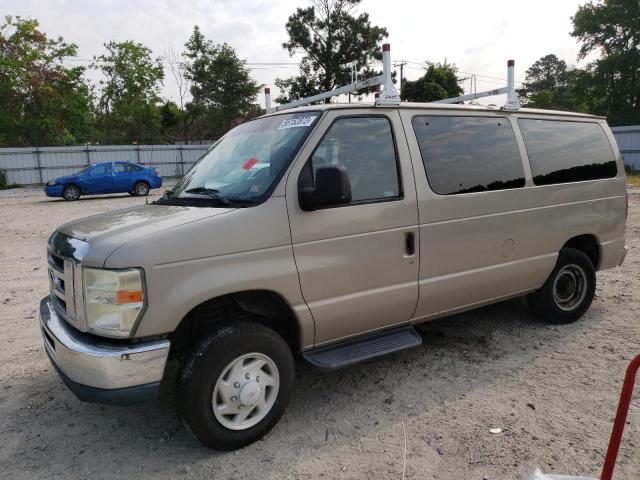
(562, 151)
(469, 154)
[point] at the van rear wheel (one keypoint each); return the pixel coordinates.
(568, 292)
(235, 385)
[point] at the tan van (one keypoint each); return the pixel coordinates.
(329, 231)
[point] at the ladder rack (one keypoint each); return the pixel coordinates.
(389, 94)
(510, 90)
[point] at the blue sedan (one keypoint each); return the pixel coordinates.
(107, 177)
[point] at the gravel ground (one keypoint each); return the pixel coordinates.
(552, 390)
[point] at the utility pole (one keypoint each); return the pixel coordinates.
(400, 64)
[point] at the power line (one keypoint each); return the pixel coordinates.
(410, 64)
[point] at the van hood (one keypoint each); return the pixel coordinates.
(106, 232)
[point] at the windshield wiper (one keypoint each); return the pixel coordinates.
(211, 192)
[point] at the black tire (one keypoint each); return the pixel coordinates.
(205, 364)
(141, 189)
(568, 292)
(71, 192)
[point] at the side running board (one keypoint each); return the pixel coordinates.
(364, 348)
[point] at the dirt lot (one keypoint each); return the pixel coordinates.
(552, 390)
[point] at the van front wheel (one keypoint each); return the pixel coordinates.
(235, 385)
(568, 292)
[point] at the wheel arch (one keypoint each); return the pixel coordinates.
(588, 244)
(265, 307)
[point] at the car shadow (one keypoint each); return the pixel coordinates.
(90, 198)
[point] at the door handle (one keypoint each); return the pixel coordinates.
(409, 244)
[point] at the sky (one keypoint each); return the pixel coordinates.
(477, 36)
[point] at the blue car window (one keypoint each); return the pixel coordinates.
(101, 169)
(124, 168)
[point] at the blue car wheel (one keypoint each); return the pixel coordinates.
(71, 192)
(141, 189)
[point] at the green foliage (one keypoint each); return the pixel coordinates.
(612, 29)
(609, 86)
(42, 102)
(221, 86)
(551, 84)
(299, 86)
(128, 105)
(332, 38)
(440, 81)
(3, 179)
(172, 120)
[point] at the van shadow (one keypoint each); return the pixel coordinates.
(328, 410)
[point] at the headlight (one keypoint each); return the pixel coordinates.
(51, 183)
(114, 299)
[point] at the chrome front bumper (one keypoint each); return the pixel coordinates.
(98, 370)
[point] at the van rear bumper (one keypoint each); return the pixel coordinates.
(99, 371)
(613, 254)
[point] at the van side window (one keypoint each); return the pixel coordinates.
(366, 147)
(468, 154)
(561, 151)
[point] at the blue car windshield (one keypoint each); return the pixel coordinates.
(246, 163)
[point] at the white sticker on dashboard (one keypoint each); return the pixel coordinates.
(297, 122)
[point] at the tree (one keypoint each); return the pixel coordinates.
(42, 102)
(130, 94)
(332, 38)
(612, 28)
(178, 68)
(440, 81)
(548, 85)
(172, 120)
(221, 86)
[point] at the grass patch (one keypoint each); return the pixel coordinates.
(633, 178)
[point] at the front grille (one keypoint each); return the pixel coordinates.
(55, 261)
(64, 275)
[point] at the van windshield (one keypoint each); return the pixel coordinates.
(244, 166)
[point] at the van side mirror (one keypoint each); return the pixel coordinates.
(332, 187)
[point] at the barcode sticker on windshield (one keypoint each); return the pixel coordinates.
(297, 122)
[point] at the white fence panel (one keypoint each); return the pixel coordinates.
(628, 139)
(30, 166)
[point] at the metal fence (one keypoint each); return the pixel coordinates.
(29, 166)
(628, 139)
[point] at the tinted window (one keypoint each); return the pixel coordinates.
(365, 146)
(123, 168)
(469, 154)
(562, 152)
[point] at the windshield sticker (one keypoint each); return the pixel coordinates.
(294, 122)
(250, 163)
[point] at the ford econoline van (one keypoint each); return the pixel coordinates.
(328, 232)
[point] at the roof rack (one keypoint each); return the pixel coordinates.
(389, 94)
(512, 98)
